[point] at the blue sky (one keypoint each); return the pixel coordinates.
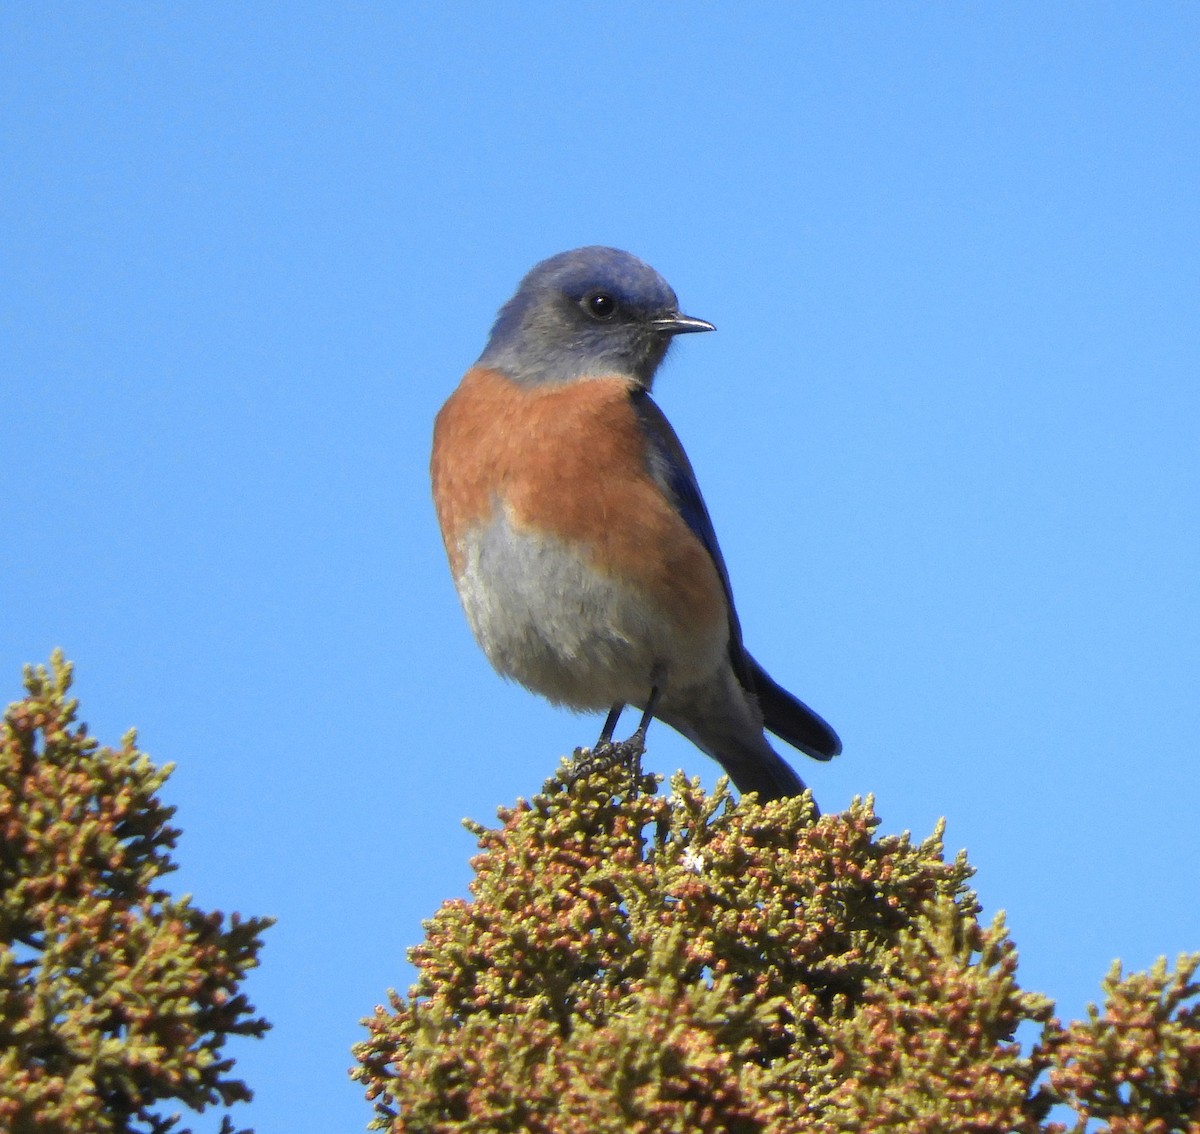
(947, 430)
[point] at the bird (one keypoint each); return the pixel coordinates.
(581, 548)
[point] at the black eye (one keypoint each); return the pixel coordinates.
(600, 305)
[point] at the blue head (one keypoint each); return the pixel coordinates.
(591, 312)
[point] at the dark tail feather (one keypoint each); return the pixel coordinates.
(736, 742)
(769, 775)
(791, 719)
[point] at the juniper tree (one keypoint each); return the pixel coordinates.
(116, 999)
(630, 962)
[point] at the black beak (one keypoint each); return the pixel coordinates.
(680, 324)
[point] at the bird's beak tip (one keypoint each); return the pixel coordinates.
(682, 325)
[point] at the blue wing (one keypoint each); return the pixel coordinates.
(783, 713)
(670, 466)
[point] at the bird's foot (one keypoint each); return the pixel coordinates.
(606, 756)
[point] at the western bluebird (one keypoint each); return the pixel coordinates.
(580, 545)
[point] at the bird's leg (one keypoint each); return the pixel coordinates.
(647, 716)
(628, 752)
(636, 744)
(610, 724)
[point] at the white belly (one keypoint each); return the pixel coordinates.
(549, 620)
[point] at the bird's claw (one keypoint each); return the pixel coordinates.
(606, 755)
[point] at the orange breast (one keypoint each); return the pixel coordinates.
(568, 462)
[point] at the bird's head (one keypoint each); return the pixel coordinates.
(587, 313)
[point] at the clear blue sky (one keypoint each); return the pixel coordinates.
(947, 429)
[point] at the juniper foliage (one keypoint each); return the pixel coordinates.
(630, 962)
(115, 997)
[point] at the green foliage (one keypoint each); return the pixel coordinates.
(114, 996)
(635, 963)
(1136, 1065)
